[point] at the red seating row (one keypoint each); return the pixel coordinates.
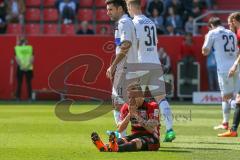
(51, 14)
(50, 3)
(32, 29)
(83, 3)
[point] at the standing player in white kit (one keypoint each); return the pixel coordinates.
(147, 54)
(224, 43)
(126, 52)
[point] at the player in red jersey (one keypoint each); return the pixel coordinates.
(144, 119)
(234, 19)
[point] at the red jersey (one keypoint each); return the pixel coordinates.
(238, 37)
(187, 50)
(149, 110)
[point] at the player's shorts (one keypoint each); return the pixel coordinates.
(149, 142)
(154, 80)
(120, 83)
(228, 85)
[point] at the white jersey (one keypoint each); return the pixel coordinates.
(224, 43)
(147, 38)
(125, 31)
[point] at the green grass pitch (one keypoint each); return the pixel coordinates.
(33, 132)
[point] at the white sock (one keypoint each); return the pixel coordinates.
(116, 115)
(166, 113)
(226, 111)
(232, 103)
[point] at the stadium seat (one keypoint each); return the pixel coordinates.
(50, 14)
(100, 3)
(49, 3)
(68, 29)
(108, 27)
(85, 15)
(33, 3)
(33, 29)
(14, 29)
(101, 15)
(32, 14)
(86, 3)
(50, 29)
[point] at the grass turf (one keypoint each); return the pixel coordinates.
(33, 132)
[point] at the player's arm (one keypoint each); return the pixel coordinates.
(233, 69)
(123, 125)
(208, 44)
(149, 125)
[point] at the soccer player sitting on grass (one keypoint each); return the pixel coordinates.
(144, 119)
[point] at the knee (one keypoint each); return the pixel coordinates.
(138, 143)
(238, 99)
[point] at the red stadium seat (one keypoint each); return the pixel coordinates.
(49, 3)
(33, 29)
(68, 29)
(14, 29)
(100, 3)
(101, 15)
(50, 29)
(33, 14)
(85, 15)
(100, 26)
(33, 3)
(86, 3)
(50, 14)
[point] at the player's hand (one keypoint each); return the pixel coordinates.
(110, 72)
(232, 71)
(132, 106)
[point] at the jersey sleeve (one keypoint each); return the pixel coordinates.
(209, 40)
(124, 111)
(138, 30)
(125, 30)
(153, 111)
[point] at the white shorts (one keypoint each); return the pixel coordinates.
(228, 85)
(154, 81)
(120, 83)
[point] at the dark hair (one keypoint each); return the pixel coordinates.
(215, 21)
(118, 3)
(236, 16)
(135, 2)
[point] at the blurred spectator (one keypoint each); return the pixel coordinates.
(85, 28)
(158, 4)
(67, 10)
(212, 72)
(210, 4)
(177, 7)
(174, 20)
(187, 5)
(198, 3)
(24, 59)
(187, 56)
(103, 30)
(196, 11)
(158, 20)
(189, 25)
(170, 30)
(165, 60)
(3, 13)
(15, 11)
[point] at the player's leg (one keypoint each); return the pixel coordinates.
(29, 76)
(19, 83)
(227, 90)
(98, 142)
(156, 79)
(117, 95)
(236, 120)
